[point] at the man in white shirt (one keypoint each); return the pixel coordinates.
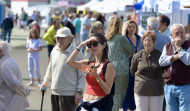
(67, 83)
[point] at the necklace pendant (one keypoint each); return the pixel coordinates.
(97, 65)
(92, 67)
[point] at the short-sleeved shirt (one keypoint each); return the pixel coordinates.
(85, 21)
(34, 44)
(77, 24)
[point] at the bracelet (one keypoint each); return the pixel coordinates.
(78, 49)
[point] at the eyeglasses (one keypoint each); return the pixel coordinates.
(94, 43)
(102, 27)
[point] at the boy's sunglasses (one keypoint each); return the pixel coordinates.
(94, 43)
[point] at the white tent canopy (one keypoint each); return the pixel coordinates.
(43, 9)
(99, 6)
(112, 6)
(88, 5)
(122, 4)
(109, 6)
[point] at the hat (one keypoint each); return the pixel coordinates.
(63, 32)
(34, 22)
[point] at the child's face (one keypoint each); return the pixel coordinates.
(33, 34)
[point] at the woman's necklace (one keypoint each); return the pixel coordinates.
(97, 65)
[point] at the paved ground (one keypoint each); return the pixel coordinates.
(18, 42)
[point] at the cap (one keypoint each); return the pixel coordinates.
(63, 32)
(34, 22)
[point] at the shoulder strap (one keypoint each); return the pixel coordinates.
(110, 95)
(105, 66)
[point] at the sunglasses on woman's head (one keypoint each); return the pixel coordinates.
(94, 43)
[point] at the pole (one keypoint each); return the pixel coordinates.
(43, 90)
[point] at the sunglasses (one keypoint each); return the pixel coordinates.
(94, 43)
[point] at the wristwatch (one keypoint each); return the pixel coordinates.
(179, 49)
(80, 92)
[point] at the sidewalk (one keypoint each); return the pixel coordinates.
(19, 37)
(19, 53)
(18, 43)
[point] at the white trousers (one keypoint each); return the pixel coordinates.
(34, 65)
(149, 103)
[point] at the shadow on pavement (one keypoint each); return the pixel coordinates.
(30, 110)
(33, 110)
(18, 39)
(19, 47)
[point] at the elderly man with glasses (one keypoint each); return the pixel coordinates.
(175, 59)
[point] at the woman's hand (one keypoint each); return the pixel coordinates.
(88, 41)
(92, 71)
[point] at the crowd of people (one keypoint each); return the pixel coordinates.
(93, 68)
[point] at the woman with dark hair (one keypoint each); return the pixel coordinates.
(130, 30)
(100, 74)
(120, 49)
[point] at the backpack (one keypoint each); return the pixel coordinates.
(111, 94)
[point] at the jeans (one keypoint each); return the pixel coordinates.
(83, 38)
(9, 35)
(177, 97)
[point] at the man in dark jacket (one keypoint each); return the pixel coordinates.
(69, 23)
(7, 26)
